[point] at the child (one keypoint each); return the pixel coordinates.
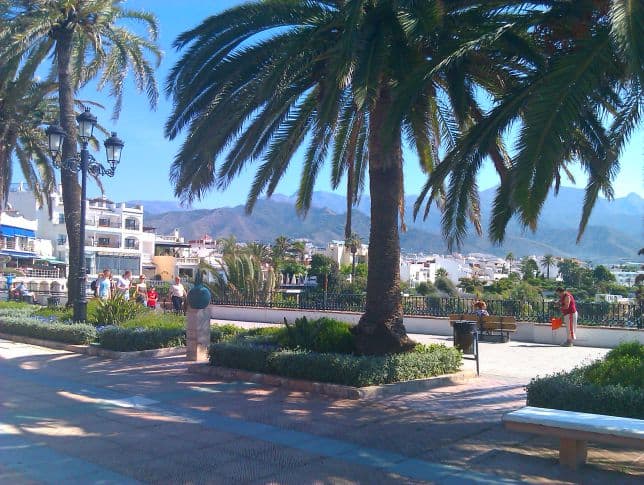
(153, 297)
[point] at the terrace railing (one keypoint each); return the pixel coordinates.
(606, 314)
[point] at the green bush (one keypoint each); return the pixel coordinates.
(133, 339)
(321, 335)
(152, 319)
(225, 332)
(613, 385)
(359, 371)
(115, 311)
(76, 333)
(240, 356)
(13, 305)
(571, 391)
(62, 313)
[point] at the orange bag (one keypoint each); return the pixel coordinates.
(556, 323)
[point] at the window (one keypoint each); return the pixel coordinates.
(62, 239)
(131, 243)
(119, 264)
(131, 224)
(104, 242)
(104, 222)
(61, 218)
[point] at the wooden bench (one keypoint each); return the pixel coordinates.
(491, 325)
(574, 429)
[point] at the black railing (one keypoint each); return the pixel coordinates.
(606, 314)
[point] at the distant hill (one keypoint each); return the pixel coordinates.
(615, 230)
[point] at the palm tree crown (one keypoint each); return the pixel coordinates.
(259, 80)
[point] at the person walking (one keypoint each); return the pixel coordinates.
(177, 294)
(123, 284)
(569, 314)
(104, 285)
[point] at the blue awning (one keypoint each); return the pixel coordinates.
(11, 231)
(18, 254)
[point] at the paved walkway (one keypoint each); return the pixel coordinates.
(68, 418)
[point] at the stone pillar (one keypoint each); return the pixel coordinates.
(197, 333)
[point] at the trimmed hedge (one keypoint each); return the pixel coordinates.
(320, 335)
(571, 392)
(613, 385)
(133, 339)
(347, 369)
(71, 333)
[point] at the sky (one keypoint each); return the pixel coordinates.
(143, 173)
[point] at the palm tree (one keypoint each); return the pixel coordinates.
(548, 260)
(25, 104)
(510, 259)
(86, 41)
(353, 242)
(579, 60)
(229, 246)
(256, 81)
(441, 273)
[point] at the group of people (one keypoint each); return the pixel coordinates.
(106, 286)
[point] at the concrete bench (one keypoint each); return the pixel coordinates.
(574, 429)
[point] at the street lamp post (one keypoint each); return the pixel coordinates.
(84, 163)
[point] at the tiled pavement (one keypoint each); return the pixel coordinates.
(67, 418)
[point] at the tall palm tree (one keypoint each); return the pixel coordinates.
(548, 260)
(86, 41)
(258, 80)
(584, 59)
(353, 242)
(510, 259)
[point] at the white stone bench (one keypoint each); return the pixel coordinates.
(574, 429)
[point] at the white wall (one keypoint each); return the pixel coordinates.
(603, 337)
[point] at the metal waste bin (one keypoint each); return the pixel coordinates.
(464, 336)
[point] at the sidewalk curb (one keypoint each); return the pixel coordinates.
(93, 350)
(334, 390)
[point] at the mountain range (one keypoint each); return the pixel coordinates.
(614, 231)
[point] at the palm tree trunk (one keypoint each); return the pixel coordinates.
(69, 179)
(381, 330)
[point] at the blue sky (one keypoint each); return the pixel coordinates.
(143, 172)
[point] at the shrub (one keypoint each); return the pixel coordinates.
(76, 333)
(13, 305)
(151, 319)
(360, 371)
(223, 333)
(322, 335)
(240, 356)
(116, 310)
(623, 366)
(571, 391)
(133, 339)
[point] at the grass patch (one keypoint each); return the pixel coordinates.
(613, 385)
(14, 305)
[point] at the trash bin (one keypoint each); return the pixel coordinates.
(53, 301)
(464, 336)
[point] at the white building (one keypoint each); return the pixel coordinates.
(115, 237)
(339, 252)
(27, 258)
(626, 278)
(414, 271)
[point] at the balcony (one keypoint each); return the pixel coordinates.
(102, 243)
(192, 261)
(17, 244)
(43, 273)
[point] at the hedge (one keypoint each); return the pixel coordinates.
(347, 369)
(133, 339)
(71, 333)
(613, 385)
(571, 392)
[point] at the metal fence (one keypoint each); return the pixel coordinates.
(606, 314)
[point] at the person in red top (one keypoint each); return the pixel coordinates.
(568, 314)
(153, 297)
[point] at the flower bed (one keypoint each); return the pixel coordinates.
(289, 352)
(613, 386)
